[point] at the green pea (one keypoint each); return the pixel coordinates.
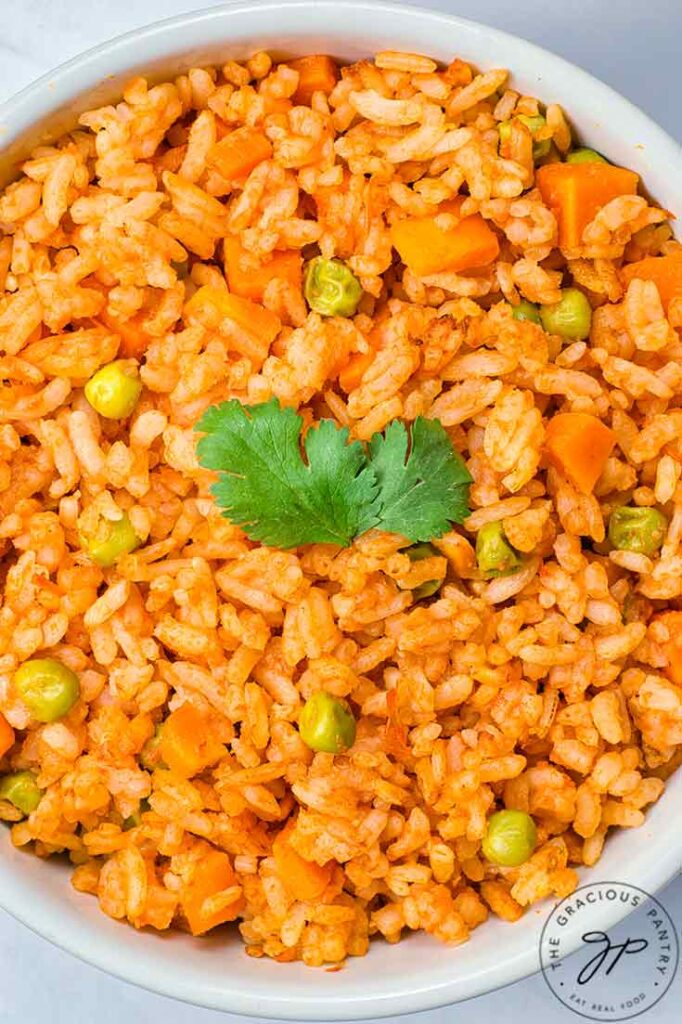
(570, 317)
(47, 687)
(426, 589)
(637, 529)
(111, 539)
(21, 789)
(635, 608)
(114, 390)
(417, 553)
(533, 122)
(331, 288)
(524, 310)
(326, 723)
(134, 820)
(181, 268)
(150, 755)
(494, 554)
(585, 156)
(510, 838)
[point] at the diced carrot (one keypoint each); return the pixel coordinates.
(664, 271)
(576, 192)
(427, 248)
(579, 445)
(239, 152)
(303, 879)
(6, 735)
(673, 647)
(213, 874)
(258, 326)
(277, 104)
(187, 743)
(453, 205)
(458, 73)
(249, 278)
(140, 730)
(316, 73)
(353, 372)
(134, 340)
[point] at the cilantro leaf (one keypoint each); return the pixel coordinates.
(282, 493)
(424, 491)
(267, 488)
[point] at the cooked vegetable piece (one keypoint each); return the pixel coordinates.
(533, 122)
(303, 879)
(510, 838)
(525, 310)
(134, 338)
(47, 687)
(331, 288)
(416, 553)
(211, 306)
(427, 248)
(267, 488)
(585, 156)
(576, 193)
(570, 317)
(337, 493)
(276, 104)
(664, 271)
(494, 554)
(113, 538)
(637, 529)
(115, 389)
(212, 875)
(427, 589)
(188, 744)
(238, 153)
(6, 735)
(423, 481)
(150, 755)
(579, 444)
(326, 723)
(351, 375)
(316, 73)
(21, 789)
(133, 820)
(248, 278)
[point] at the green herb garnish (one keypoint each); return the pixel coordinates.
(424, 491)
(329, 490)
(266, 487)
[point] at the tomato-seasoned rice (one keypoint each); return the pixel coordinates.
(170, 232)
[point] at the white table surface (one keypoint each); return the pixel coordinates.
(633, 46)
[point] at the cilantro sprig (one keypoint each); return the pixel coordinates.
(265, 486)
(328, 489)
(423, 491)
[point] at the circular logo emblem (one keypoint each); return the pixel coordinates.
(616, 969)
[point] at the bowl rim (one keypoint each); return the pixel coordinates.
(55, 84)
(44, 97)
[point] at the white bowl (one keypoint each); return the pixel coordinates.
(418, 973)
